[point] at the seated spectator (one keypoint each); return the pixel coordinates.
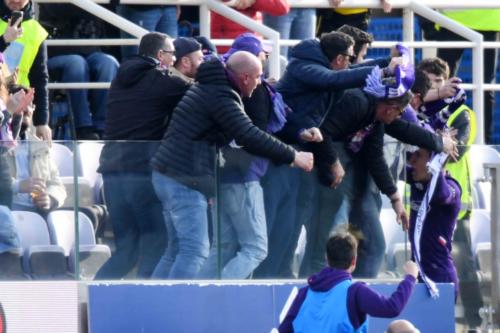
(223, 28)
(36, 183)
(401, 326)
(188, 57)
(333, 303)
(80, 64)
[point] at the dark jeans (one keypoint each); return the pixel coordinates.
(469, 289)
(318, 209)
(138, 226)
(95, 67)
(365, 218)
(453, 58)
(281, 188)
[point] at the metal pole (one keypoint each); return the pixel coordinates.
(408, 29)
(494, 174)
(110, 17)
(204, 21)
(274, 36)
(477, 93)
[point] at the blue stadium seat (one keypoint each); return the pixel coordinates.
(390, 29)
(41, 260)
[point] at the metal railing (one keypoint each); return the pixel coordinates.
(410, 6)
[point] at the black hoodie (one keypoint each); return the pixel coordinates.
(38, 74)
(141, 98)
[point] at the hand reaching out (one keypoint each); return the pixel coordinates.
(312, 134)
(399, 209)
(303, 160)
(450, 143)
(334, 3)
(386, 6)
(338, 174)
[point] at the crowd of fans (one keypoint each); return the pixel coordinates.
(315, 149)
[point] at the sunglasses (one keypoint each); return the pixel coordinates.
(350, 57)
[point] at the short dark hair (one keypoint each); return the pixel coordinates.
(436, 66)
(151, 43)
(335, 43)
(422, 83)
(341, 249)
(360, 37)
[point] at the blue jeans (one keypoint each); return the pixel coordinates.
(152, 18)
(281, 188)
(299, 23)
(138, 227)
(96, 67)
(185, 215)
(243, 233)
(9, 238)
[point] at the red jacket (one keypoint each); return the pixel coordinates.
(222, 28)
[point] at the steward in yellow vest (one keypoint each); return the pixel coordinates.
(464, 120)
(28, 53)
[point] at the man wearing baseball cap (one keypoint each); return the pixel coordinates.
(188, 57)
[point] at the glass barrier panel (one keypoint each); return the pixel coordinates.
(37, 189)
(156, 212)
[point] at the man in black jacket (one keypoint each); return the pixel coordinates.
(141, 98)
(28, 52)
(211, 114)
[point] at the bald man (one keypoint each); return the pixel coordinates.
(247, 71)
(401, 326)
(210, 115)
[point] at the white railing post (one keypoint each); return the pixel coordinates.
(408, 29)
(493, 171)
(110, 17)
(477, 58)
(247, 22)
(478, 92)
(204, 21)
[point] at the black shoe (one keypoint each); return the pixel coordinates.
(86, 133)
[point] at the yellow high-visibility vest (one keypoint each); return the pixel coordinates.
(33, 36)
(460, 170)
(350, 11)
(477, 19)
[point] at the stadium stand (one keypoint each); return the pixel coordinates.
(41, 259)
(92, 256)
